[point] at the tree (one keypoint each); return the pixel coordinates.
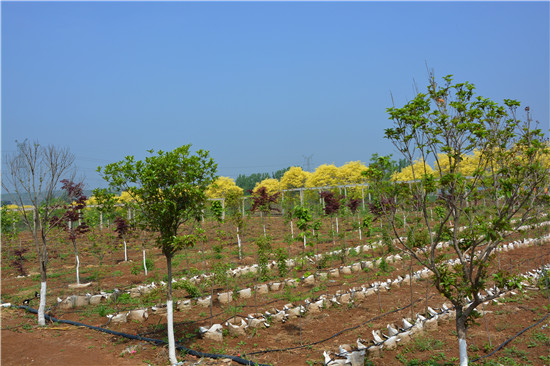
(416, 170)
(324, 175)
(71, 219)
(443, 125)
(386, 166)
(169, 190)
(33, 174)
(271, 185)
(294, 177)
(352, 173)
(262, 201)
(122, 229)
(224, 187)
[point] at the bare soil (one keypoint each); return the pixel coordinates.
(299, 341)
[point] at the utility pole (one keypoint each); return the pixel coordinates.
(307, 165)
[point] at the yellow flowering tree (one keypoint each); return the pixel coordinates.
(295, 177)
(125, 197)
(324, 175)
(467, 165)
(271, 185)
(420, 168)
(352, 173)
(224, 187)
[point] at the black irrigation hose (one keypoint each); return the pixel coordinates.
(340, 332)
(511, 339)
(179, 347)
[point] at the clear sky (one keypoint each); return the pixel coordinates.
(259, 84)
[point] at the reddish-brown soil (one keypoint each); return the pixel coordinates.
(23, 343)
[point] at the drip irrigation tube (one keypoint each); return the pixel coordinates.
(179, 347)
(511, 339)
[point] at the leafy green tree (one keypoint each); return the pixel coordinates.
(442, 125)
(169, 190)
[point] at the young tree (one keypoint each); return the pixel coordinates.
(262, 200)
(169, 189)
(123, 229)
(442, 125)
(32, 176)
(71, 219)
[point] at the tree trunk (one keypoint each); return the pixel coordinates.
(170, 314)
(42, 306)
(462, 345)
(144, 262)
(77, 270)
(77, 263)
(125, 251)
(240, 246)
(43, 259)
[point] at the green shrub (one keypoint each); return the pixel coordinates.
(191, 289)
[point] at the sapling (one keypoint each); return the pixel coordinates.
(122, 229)
(331, 206)
(18, 261)
(262, 202)
(72, 214)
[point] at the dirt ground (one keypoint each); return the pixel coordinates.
(299, 341)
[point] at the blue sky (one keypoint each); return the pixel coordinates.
(259, 84)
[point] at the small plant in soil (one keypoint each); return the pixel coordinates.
(19, 261)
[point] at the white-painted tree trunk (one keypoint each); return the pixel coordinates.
(292, 228)
(360, 234)
(144, 263)
(240, 246)
(463, 351)
(264, 232)
(304, 241)
(42, 307)
(77, 270)
(171, 340)
(337, 224)
(125, 251)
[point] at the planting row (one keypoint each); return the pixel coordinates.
(227, 297)
(395, 336)
(238, 325)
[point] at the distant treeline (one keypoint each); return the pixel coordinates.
(248, 182)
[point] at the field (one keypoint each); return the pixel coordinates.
(299, 340)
